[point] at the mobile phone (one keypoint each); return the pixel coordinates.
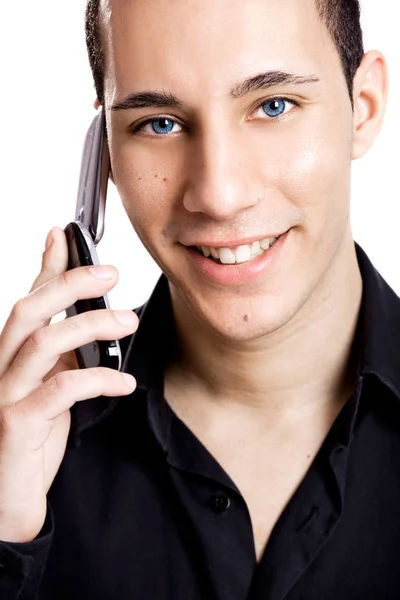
(84, 234)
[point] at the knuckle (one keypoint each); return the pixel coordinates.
(10, 420)
(38, 341)
(61, 383)
(72, 384)
(20, 309)
(64, 279)
(97, 319)
(4, 420)
(95, 375)
(97, 379)
(73, 323)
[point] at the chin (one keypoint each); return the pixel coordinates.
(247, 326)
(247, 311)
(241, 319)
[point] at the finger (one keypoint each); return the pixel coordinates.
(44, 348)
(62, 391)
(29, 421)
(54, 262)
(36, 310)
(54, 258)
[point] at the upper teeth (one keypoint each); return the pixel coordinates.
(240, 254)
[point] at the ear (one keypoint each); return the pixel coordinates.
(370, 96)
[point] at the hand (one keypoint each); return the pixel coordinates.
(40, 381)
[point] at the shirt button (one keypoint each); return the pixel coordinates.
(220, 502)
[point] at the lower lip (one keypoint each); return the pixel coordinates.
(238, 274)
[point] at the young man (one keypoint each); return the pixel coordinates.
(258, 456)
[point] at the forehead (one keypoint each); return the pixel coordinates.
(209, 43)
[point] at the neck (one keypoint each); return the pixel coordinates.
(308, 361)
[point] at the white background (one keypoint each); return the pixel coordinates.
(46, 104)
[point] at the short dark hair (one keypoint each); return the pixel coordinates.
(341, 17)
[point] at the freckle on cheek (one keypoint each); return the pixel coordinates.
(246, 318)
(155, 176)
(165, 179)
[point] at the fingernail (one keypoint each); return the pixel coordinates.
(129, 380)
(102, 272)
(125, 317)
(49, 239)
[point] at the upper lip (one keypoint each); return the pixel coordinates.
(232, 243)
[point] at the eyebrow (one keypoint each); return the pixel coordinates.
(155, 99)
(269, 79)
(148, 100)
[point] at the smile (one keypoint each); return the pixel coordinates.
(239, 254)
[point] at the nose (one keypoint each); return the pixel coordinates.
(221, 179)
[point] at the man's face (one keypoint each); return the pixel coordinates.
(222, 166)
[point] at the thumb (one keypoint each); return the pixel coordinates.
(54, 258)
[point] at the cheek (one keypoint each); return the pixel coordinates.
(148, 185)
(312, 173)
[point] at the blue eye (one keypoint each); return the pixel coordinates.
(162, 126)
(274, 108)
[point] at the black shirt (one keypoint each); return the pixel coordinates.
(141, 510)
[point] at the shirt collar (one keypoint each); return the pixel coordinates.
(147, 351)
(155, 340)
(379, 327)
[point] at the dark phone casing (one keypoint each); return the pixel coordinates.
(98, 353)
(85, 232)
